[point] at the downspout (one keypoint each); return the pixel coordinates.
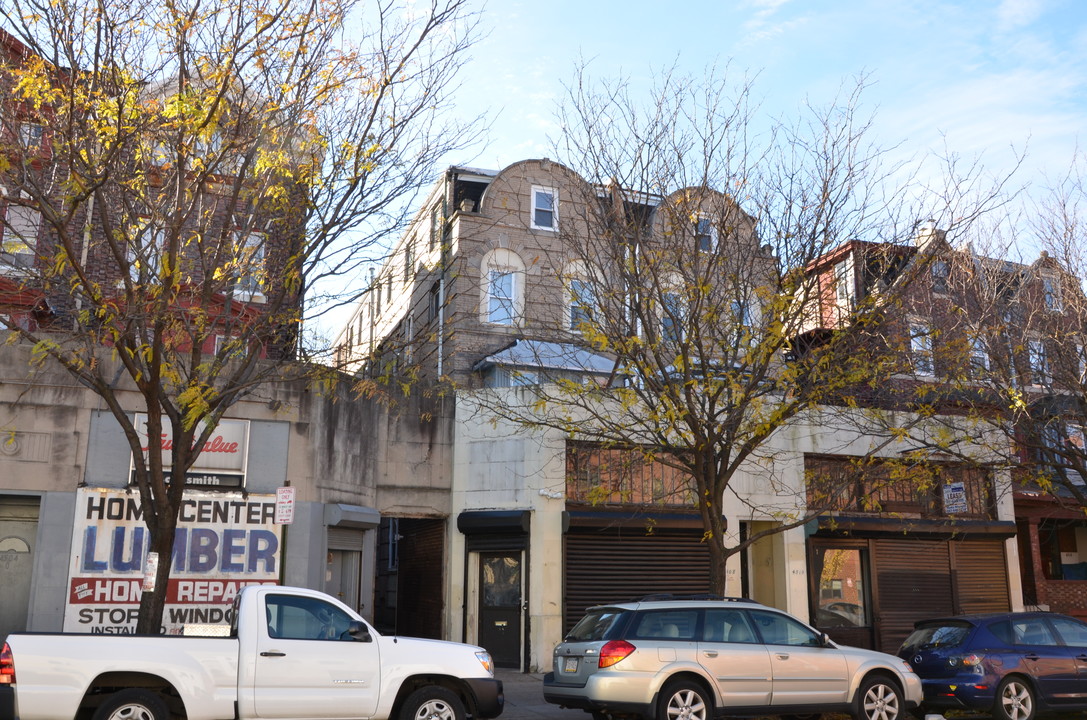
(86, 247)
(444, 254)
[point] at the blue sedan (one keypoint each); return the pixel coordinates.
(1014, 665)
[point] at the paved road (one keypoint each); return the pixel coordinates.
(524, 699)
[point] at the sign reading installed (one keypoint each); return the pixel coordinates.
(222, 460)
(223, 542)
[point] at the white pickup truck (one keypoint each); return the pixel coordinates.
(292, 653)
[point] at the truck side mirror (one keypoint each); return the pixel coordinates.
(359, 632)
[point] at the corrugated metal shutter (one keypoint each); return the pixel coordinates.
(344, 538)
(422, 559)
(609, 565)
(981, 576)
(913, 579)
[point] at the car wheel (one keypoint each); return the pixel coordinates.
(684, 701)
(432, 703)
(1014, 700)
(878, 698)
(133, 704)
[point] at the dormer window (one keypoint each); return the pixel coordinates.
(544, 208)
(941, 271)
(1051, 293)
(705, 235)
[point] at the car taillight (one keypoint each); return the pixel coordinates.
(614, 651)
(970, 660)
(7, 666)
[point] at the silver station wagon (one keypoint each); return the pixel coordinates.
(697, 659)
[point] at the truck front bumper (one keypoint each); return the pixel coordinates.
(488, 694)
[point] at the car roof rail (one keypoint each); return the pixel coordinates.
(693, 596)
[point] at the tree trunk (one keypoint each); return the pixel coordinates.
(153, 602)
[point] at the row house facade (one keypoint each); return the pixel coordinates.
(482, 295)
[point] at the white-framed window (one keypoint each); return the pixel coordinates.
(545, 208)
(1051, 293)
(409, 259)
(582, 299)
(144, 250)
(844, 287)
(979, 356)
(673, 316)
(1081, 363)
(1038, 361)
(941, 271)
(19, 235)
(502, 297)
(705, 235)
(249, 283)
(921, 349)
(31, 135)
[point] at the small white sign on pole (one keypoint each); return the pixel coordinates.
(284, 505)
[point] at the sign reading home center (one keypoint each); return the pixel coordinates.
(224, 541)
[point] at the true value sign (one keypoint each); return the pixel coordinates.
(222, 460)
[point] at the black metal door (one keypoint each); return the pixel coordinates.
(500, 607)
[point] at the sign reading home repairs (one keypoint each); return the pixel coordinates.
(223, 542)
(222, 459)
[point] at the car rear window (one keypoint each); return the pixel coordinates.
(937, 635)
(665, 624)
(595, 625)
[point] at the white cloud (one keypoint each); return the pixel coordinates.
(1013, 14)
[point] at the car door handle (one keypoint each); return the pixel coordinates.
(1030, 656)
(783, 656)
(1081, 657)
(711, 653)
(272, 653)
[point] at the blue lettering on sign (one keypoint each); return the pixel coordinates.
(233, 545)
(263, 545)
(134, 562)
(196, 550)
(202, 550)
(90, 539)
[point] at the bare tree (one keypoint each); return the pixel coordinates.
(686, 259)
(189, 186)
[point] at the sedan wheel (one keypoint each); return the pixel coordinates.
(1014, 700)
(684, 701)
(878, 699)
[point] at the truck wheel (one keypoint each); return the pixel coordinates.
(430, 703)
(133, 704)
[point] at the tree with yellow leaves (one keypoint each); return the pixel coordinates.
(188, 186)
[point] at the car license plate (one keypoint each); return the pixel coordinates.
(569, 664)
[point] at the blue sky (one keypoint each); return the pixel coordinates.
(987, 75)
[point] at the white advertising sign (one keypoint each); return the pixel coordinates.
(223, 542)
(222, 460)
(955, 498)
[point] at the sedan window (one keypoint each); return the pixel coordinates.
(666, 624)
(778, 629)
(1073, 632)
(1032, 631)
(727, 626)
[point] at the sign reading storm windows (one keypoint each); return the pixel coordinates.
(544, 208)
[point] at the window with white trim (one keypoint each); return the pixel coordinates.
(250, 271)
(673, 315)
(843, 284)
(545, 202)
(1038, 361)
(705, 235)
(502, 297)
(19, 237)
(582, 299)
(145, 250)
(921, 349)
(979, 356)
(941, 271)
(1051, 293)
(31, 135)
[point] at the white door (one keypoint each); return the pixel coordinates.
(307, 666)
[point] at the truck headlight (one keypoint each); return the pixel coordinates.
(484, 658)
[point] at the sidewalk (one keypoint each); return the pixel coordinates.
(524, 699)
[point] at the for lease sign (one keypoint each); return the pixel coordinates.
(224, 541)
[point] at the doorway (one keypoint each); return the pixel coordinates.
(18, 529)
(500, 606)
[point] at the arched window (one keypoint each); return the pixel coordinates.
(502, 287)
(580, 296)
